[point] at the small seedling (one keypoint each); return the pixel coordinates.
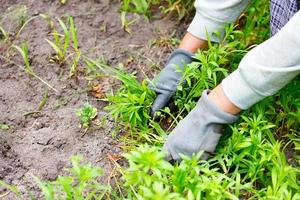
(94, 68)
(61, 43)
(126, 23)
(137, 6)
(75, 63)
(76, 59)
(180, 8)
(82, 183)
(63, 2)
(73, 31)
(48, 19)
(23, 50)
(3, 34)
(4, 126)
(86, 114)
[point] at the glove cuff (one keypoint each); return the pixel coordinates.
(186, 55)
(216, 114)
(167, 80)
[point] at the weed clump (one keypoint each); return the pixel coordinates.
(82, 183)
(180, 8)
(64, 44)
(130, 105)
(86, 114)
(257, 156)
(151, 177)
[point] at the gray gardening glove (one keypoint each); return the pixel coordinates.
(200, 130)
(166, 82)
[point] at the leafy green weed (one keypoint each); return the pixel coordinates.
(86, 114)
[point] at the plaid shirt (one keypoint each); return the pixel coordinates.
(281, 12)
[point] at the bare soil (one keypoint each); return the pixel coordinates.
(41, 144)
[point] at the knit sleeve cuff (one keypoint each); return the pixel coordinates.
(202, 26)
(239, 92)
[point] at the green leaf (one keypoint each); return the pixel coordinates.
(4, 126)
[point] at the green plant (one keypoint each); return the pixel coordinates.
(208, 69)
(4, 126)
(75, 63)
(10, 188)
(23, 50)
(3, 34)
(251, 160)
(181, 8)
(126, 23)
(26, 68)
(73, 31)
(61, 43)
(149, 176)
(257, 157)
(86, 114)
(138, 6)
(94, 68)
(254, 23)
(77, 56)
(82, 183)
(63, 1)
(131, 103)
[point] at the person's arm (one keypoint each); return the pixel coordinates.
(213, 15)
(192, 44)
(266, 68)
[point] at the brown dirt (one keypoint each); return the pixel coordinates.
(42, 144)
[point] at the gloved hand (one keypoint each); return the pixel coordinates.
(166, 82)
(200, 130)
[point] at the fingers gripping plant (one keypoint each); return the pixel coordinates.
(209, 68)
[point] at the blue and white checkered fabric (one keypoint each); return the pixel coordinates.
(281, 12)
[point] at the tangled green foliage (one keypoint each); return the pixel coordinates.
(130, 106)
(257, 156)
(255, 170)
(132, 101)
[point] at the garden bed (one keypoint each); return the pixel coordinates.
(42, 143)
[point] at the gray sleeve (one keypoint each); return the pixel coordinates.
(214, 15)
(266, 68)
